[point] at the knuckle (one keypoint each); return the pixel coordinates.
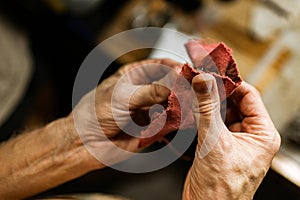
(158, 94)
(206, 106)
(253, 90)
(276, 141)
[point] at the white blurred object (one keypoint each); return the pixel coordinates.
(291, 7)
(170, 44)
(15, 68)
(272, 16)
(264, 22)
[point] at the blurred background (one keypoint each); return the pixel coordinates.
(43, 43)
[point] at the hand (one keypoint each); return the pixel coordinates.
(54, 154)
(122, 103)
(230, 161)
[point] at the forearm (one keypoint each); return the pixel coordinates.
(36, 161)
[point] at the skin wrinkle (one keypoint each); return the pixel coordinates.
(62, 150)
(23, 172)
(210, 181)
(227, 188)
(207, 143)
(62, 146)
(214, 124)
(251, 126)
(157, 91)
(28, 161)
(233, 186)
(40, 166)
(186, 193)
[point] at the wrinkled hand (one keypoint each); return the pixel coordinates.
(121, 104)
(230, 160)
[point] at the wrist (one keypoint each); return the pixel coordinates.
(89, 162)
(203, 182)
(199, 187)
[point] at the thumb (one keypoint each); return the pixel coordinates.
(206, 109)
(207, 96)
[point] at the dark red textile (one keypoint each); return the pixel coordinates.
(218, 62)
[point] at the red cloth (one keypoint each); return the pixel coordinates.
(217, 60)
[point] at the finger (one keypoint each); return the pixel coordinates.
(206, 111)
(256, 119)
(232, 113)
(155, 93)
(148, 95)
(147, 71)
(204, 86)
(248, 101)
(235, 127)
(142, 72)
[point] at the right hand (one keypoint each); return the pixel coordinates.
(230, 162)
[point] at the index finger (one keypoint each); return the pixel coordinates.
(248, 101)
(256, 120)
(147, 71)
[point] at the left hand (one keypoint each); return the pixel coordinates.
(122, 101)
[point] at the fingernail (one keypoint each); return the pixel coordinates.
(203, 83)
(209, 81)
